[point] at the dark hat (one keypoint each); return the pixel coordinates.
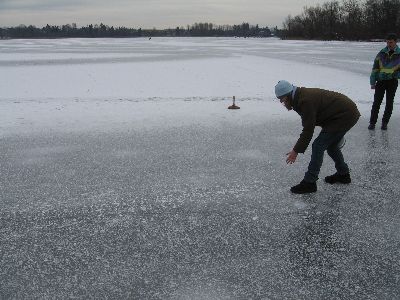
(391, 36)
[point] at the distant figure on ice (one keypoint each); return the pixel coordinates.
(335, 113)
(384, 79)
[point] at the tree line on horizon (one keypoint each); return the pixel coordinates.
(348, 20)
(103, 31)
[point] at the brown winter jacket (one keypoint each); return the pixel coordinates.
(317, 107)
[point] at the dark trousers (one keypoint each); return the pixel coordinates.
(326, 141)
(389, 87)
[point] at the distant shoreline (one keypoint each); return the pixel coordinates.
(106, 31)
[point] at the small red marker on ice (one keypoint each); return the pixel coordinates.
(233, 106)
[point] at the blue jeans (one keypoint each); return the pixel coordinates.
(326, 141)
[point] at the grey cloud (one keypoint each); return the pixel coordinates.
(149, 13)
(34, 5)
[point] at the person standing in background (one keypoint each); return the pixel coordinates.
(384, 79)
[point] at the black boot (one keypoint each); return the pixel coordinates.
(384, 126)
(371, 126)
(337, 178)
(304, 187)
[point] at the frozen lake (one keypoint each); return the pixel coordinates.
(123, 175)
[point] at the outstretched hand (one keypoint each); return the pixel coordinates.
(291, 157)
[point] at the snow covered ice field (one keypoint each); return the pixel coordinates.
(124, 176)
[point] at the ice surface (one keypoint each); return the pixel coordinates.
(124, 175)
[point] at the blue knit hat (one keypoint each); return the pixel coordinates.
(283, 88)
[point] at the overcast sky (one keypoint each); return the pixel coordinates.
(149, 13)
